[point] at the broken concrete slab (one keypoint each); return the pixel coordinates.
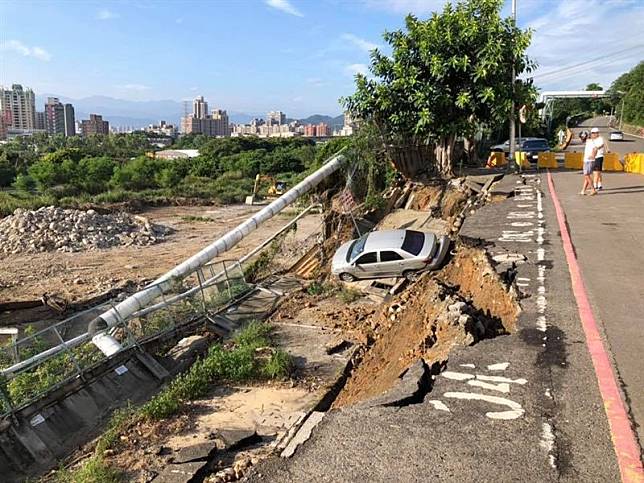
(183, 473)
(237, 438)
(411, 388)
(337, 345)
(303, 434)
(196, 452)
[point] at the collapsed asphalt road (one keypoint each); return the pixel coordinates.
(522, 407)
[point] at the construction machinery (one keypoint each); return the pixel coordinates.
(275, 188)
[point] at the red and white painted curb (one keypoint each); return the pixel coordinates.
(624, 440)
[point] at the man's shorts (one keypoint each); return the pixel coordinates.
(588, 167)
(599, 164)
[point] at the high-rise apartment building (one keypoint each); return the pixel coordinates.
(200, 108)
(323, 130)
(200, 122)
(18, 108)
(40, 121)
(94, 125)
(70, 120)
(310, 130)
(275, 117)
(54, 116)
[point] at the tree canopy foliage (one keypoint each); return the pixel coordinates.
(446, 76)
(632, 85)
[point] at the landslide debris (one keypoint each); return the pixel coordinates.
(66, 230)
(466, 302)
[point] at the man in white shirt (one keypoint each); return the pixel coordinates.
(600, 147)
(589, 166)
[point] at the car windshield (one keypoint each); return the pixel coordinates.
(357, 247)
(537, 144)
(413, 242)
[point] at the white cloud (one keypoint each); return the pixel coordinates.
(22, 49)
(359, 42)
(316, 82)
(580, 31)
(285, 6)
(354, 69)
(105, 14)
(418, 7)
(134, 87)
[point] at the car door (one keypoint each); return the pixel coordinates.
(391, 264)
(366, 265)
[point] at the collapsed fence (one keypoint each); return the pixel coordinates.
(195, 289)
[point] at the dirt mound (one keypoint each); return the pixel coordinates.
(50, 228)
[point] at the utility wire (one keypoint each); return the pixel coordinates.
(591, 61)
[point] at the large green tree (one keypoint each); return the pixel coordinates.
(629, 87)
(446, 76)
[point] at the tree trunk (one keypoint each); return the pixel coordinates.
(444, 152)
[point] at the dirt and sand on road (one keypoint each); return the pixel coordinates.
(78, 276)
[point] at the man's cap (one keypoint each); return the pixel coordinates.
(594, 130)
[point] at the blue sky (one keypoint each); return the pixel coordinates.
(257, 55)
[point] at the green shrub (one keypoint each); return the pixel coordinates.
(348, 295)
(95, 470)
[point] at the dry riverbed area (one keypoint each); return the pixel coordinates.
(74, 277)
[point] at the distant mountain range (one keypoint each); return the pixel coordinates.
(121, 112)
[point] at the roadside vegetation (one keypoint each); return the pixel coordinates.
(74, 171)
(249, 356)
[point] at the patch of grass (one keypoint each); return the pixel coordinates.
(320, 288)
(279, 365)
(348, 295)
(95, 470)
(194, 219)
(242, 362)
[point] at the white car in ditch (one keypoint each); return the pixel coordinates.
(389, 253)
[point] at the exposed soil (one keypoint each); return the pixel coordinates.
(77, 276)
(420, 323)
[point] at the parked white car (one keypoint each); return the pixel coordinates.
(389, 253)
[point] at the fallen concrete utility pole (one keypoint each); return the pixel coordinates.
(139, 300)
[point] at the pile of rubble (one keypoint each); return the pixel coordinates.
(51, 228)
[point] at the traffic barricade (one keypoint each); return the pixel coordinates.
(634, 163)
(574, 160)
(496, 159)
(611, 162)
(547, 160)
(521, 159)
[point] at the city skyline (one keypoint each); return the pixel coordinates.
(298, 56)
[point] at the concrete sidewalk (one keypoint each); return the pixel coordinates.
(607, 231)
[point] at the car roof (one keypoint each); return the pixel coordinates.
(384, 240)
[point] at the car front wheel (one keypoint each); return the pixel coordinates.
(410, 275)
(347, 277)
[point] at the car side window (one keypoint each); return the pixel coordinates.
(367, 258)
(389, 257)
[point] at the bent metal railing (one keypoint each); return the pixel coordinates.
(44, 360)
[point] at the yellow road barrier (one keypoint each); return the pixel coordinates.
(574, 160)
(496, 159)
(611, 162)
(547, 160)
(521, 159)
(634, 163)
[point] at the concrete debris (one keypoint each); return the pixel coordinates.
(414, 383)
(196, 452)
(180, 473)
(56, 229)
(237, 438)
(303, 434)
(337, 345)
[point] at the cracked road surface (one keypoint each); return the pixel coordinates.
(521, 407)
